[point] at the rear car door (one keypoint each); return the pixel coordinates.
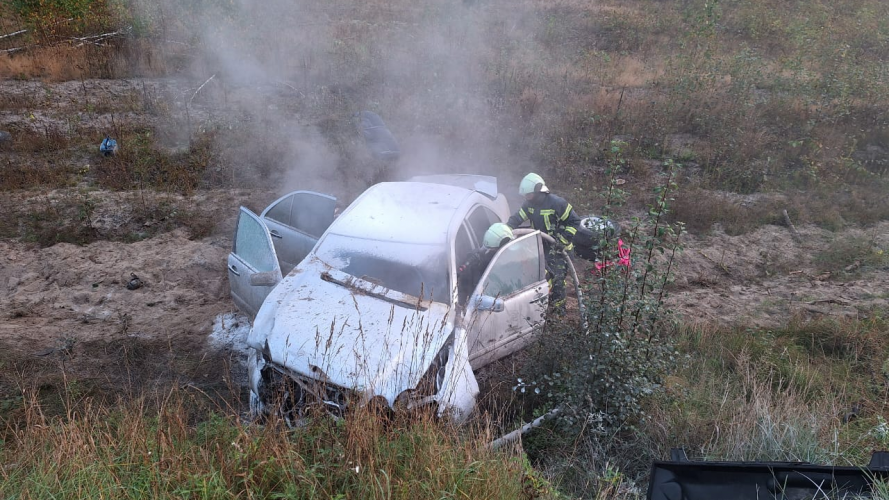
(509, 303)
(296, 221)
(253, 269)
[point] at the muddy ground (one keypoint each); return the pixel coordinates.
(66, 311)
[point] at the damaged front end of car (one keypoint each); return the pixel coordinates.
(447, 389)
(292, 395)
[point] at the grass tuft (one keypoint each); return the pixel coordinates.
(161, 447)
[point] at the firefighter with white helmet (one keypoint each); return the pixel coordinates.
(553, 215)
(497, 235)
(471, 270)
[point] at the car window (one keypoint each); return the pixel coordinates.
(312, 213)
(462, 245)
(281, 211)
(305, 211)
(415, 269)
(462, 248)
(252, 244)
(515, 267)
(479, 221)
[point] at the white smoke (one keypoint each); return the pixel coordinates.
(442, 74)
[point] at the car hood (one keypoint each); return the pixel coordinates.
(327, 325)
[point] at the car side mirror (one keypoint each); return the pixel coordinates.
(264, 279)
(488, 303)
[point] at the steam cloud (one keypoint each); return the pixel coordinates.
(294, 75)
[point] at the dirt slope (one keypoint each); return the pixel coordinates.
(70, 303)
(764, 277)
(67, 311)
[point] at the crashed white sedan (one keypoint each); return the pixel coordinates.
(370, 308)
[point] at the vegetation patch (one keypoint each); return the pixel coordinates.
(177, 445)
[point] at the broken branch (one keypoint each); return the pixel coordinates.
(839, 302)
(516, 434)
(793, 231)
(202, 86)
(19, 32)
(95, 39)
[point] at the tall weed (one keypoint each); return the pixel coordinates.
(178, 446)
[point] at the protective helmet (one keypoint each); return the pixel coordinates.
(532, 183)
(495, 235)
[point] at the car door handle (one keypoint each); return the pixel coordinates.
(234, 270)
(275, 233)
(538, 299)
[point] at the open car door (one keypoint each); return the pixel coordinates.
(296, 221)
(509, 303)
(253, 269)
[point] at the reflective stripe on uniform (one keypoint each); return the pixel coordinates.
(545, 214)
(568, 210)
(522, 214)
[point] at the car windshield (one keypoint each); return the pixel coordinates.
(420, 270)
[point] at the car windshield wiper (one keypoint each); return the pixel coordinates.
(367, 287)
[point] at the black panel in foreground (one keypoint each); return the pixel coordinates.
(683, 479)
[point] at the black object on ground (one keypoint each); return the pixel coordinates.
(684, 479)
(135, 283)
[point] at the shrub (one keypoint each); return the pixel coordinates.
(610, 364)
(850, 253)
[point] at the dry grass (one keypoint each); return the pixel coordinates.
(178, 443)
(123, 59)
(701, 209)
(790, 394)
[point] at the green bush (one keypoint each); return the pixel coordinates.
(620, 353)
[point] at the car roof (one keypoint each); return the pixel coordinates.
(408, 212)
(484, 184)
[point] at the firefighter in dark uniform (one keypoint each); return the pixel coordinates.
(470, 272)
(554, 216)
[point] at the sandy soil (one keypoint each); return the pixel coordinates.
(765, 277)
(67, 312)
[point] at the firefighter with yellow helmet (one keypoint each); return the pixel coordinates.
(553, 215)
